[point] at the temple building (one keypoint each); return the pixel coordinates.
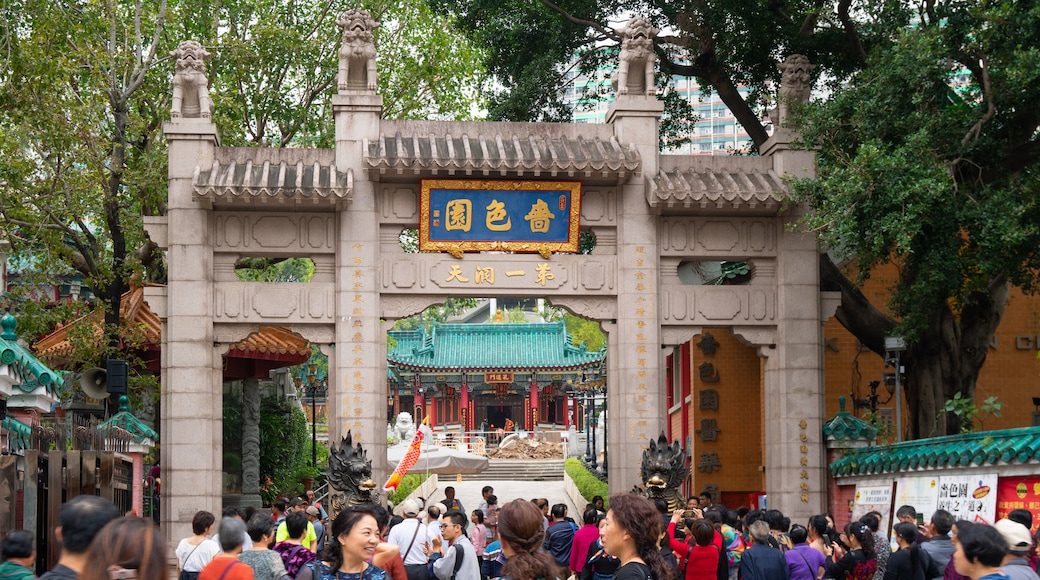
(488, 376)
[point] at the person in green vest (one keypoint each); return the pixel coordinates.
(19, 553)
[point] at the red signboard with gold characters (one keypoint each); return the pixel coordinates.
(1019, 493)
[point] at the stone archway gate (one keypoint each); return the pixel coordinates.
(345, 208)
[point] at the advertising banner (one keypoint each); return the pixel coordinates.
(919, 492)
(1019, 493)
(874, 498)
(969, 497)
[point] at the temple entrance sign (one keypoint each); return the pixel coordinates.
(345, 208)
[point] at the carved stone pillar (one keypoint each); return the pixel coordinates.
(633, 387)
(251, 441)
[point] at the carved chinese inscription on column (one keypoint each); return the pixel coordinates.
(804, 460)
(709, 462)
(709, 430)
(708, 344)
(708, 373)
(709, 399)
(642, 282)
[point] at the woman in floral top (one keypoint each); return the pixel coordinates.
(859, 562)
(294, 555)
(266, 563)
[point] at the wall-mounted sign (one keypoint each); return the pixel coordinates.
(469, 215)
(491, 378)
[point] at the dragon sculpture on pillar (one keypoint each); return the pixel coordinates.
(350, 476)
(662, 471)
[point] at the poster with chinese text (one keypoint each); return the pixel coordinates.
(919, 492)
(874, 498)
(969, 497)
(1021, 492)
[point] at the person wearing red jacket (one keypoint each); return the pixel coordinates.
(701, 556)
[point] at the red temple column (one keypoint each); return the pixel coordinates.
(534, 403)
(566, 410)
(464, 404)
(417, 399)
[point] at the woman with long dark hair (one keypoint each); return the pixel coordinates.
(351, 546)
(520, 531)
(860, 561)
(910, 562)
(630, 533)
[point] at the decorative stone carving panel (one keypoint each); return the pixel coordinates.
(274, 303)
(717, 237)
(479, 274)
(598, 207)
(399, 203)
(595, 308)
(267, 233)
(395, 307)
(718, 305)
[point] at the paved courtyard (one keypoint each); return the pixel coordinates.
(468, 492)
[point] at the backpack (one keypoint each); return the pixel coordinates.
(592, 562)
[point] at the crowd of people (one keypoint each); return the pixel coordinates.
(632, 538)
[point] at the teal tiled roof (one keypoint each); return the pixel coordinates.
(29, 369)
(846, 427)
(490, 347)
(19, 435)
(125, 420)
(1008, 446)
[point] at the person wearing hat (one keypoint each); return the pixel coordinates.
(410, 536)
(319, 529)
(310, 538)
(1015, 565)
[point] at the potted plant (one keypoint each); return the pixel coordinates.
(307, 473)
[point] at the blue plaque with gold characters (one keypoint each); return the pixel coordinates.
(472, 215)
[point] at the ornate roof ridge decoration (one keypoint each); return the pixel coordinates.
(29, 372)
(132, 308)
(234, 182)
(718, 187)
(536, 155)
(453, 347)
(126, 421)
(19, 435)
(269, 342)
(847, 427)
(1004, 447)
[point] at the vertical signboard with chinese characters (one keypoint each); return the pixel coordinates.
(466, 215)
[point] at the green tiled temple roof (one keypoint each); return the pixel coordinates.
(125, 420)
(1014, 446)
(847, 427)
(490, 347)
(32, 372)
(19, 435)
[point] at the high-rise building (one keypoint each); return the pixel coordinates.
(716, 131)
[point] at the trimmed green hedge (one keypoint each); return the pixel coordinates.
(588, 484)
(408, 484)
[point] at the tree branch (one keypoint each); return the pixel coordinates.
(855, 312)
(987, 96)
(851, 33)
(608, 32)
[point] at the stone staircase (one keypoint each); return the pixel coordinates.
(520, 470)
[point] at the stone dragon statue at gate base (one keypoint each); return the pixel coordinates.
(662, 471)
(350, 476)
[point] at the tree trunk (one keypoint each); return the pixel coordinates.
(944, 360)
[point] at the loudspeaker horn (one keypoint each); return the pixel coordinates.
(93, 382)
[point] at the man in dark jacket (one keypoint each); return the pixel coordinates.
(761, 562)
(559, 537)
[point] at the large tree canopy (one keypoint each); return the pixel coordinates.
(85, 88)
(927, 133)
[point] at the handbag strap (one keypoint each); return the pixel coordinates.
(410, 544)
(458, 561)
(231, 565)
(188, 557)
